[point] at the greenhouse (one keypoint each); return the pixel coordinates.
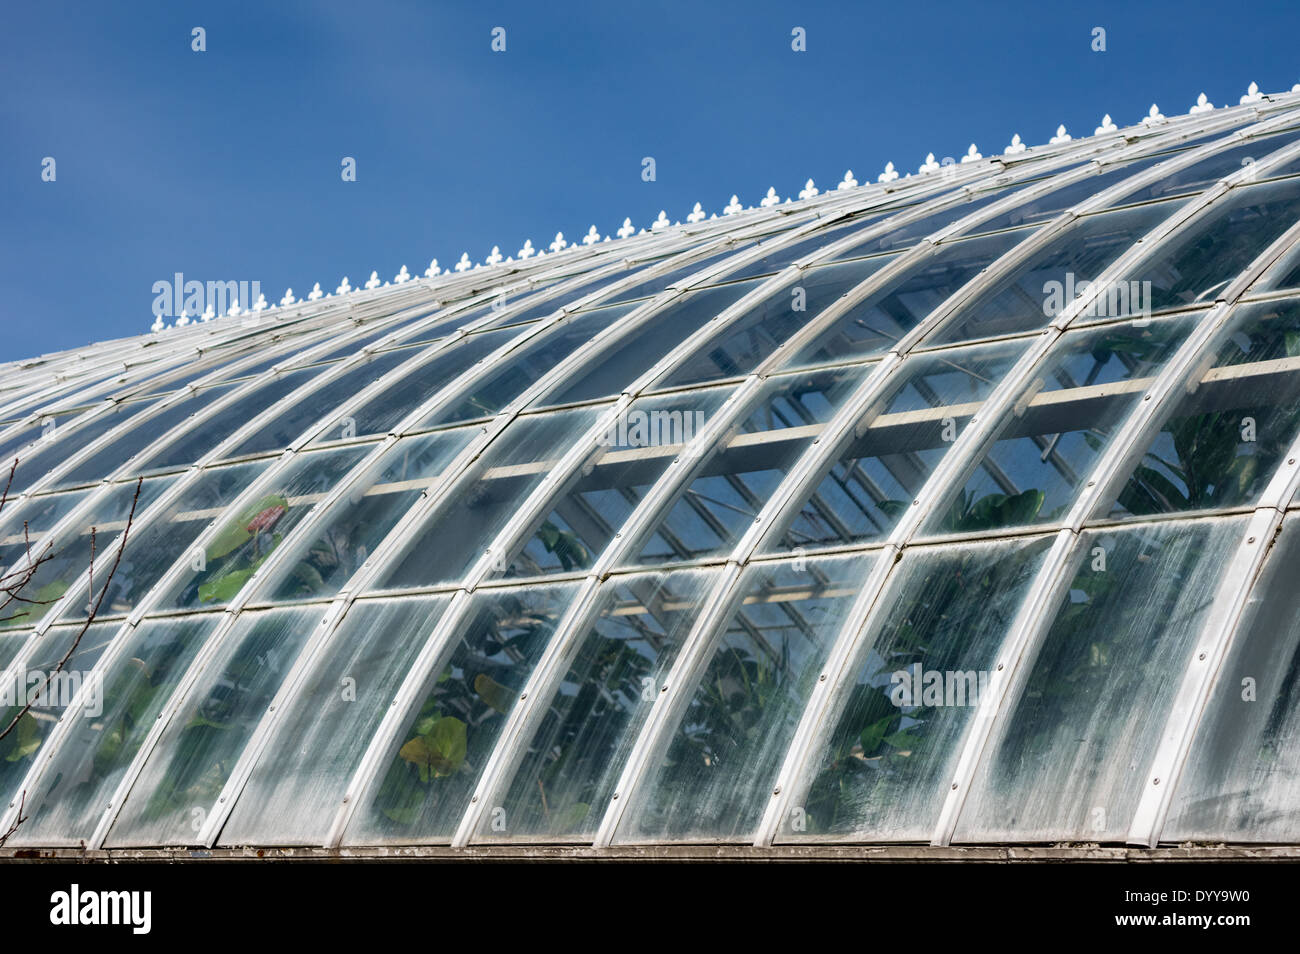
(949, 512)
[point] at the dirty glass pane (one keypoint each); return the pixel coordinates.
(184, 774)
(299, 781)
(714, 777)
(1241, 781)
(1072, 745)
(564, 777)
(425, 785)
(79, 782)
(880, 768)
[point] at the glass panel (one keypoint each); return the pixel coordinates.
(61, 441)
(542, 306)
(620, 362)
(1204, 173)
(743, 345)
(318, 564)
(182, 777)
(79, 783)
(653, 286)
(875, 324)
(1226, 434)
(779, 258)
(1061, 423)
(290, 422)
(62, 560)
(105, 462)
(202, 438)
(1201, 261)
(440, 329)
(299, 781)
(728, 486)
(1022, 300)
(444, 547)
(885, 757)
(1047, 206)
(248, 538)
(598, 501)
(154, 547)
(400, 398)
(714, 778)
(1071, 748)
(907, 235)
(467, 695)
(49, 692)
(567, 772)
(1241, 781)
(879, 467)
(23, 526)
(510, 376)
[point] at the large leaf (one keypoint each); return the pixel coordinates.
(238, 532)
(439, 751)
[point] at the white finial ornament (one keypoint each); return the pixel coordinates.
(1107, 126)
(559, 244)
(972, 154)
(889, 175)
(1060, 137)
(770, 199)
(733, 206)
(696, 215)
(1253, 95)
(527, 251)
(848, 182)
(464, 265)
(234, 309)
(929, 165)
(1153, 116)
(1015, 148)
(158, 324)
(209, 314)
(592, 236)
(344, 287)
(494, 257)
(626, 229)
(315, 293)
(373, 280)
(1202, 105)
(661, 223)
(402, 276)
(184, 319)
(286, 300)
(261, 304)
(809, 190)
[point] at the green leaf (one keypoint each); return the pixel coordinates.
(493, 693)
(224, 587)
(237, 532)
(28, 741)
(438, 752)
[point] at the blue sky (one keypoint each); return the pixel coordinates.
(225, 164)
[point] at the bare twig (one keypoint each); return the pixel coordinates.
(92, 608)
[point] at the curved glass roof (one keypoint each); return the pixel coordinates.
(957, 508)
